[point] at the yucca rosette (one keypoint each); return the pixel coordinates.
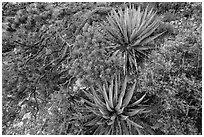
(110, 108)
(132, 32)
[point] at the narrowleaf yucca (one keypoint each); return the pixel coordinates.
(132, 32)
(110, 108)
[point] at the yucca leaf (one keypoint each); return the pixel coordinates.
(150, 19)
(118, 20)
(120, 48)
(143, 12)
(107, 86)
(112, 129)
(119, 127)
(98, 130)
(115, 23)
(138, 17)
(147, 40)
(108, 107)
(138, 131)
(147, 111)
(102, 106)
(101, 121)
(133, 123)
(141, 27)
(124, 66)
(131, 15)
(140, 54)
(135, 22)
(96, 95)
(104, 112)
(135, 60)
(141, 48)
(84, 109)
(123, 117)
(115, 37)
(92, 129)
(151, 11)
(149, 30)
(99, 103)
(137, 102)
(108, 104)
(115, 52)
(106, 117)
(113, 117)
(87, 117)
(146, 127)
(119, 84)
(136, 26)
(90, 96)
(134, 112)
(120, 110)
(115, 91)
(111, 94)
(114, 28)
(111, 122)
(107, 130)
(116, 127)
(124, 127)
(149, 129)
(132, 62)
(103, 109)
(122, 93)
(145, 33)
(93, 110)
(148, 22)
(129, 126)
(129, 95)
(93, 121)
(126, 25)
(89, 103)
(102, 89)
(121, 23)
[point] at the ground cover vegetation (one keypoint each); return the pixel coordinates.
(86, 68)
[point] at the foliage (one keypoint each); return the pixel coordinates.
(132, 32)
(53, 51)
(109, 111)
(174, 73)
(36, 68)
(52, 118)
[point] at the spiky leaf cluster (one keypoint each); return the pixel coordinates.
(110, 108)
(132, 30)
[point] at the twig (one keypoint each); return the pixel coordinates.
(35, 55)
(21, 44)
(44, 124)
(37, 105)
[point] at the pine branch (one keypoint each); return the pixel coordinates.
(99, 10)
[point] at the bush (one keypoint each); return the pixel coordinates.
(174, 74)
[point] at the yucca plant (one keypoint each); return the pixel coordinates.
(132, 31)
(110, 109)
